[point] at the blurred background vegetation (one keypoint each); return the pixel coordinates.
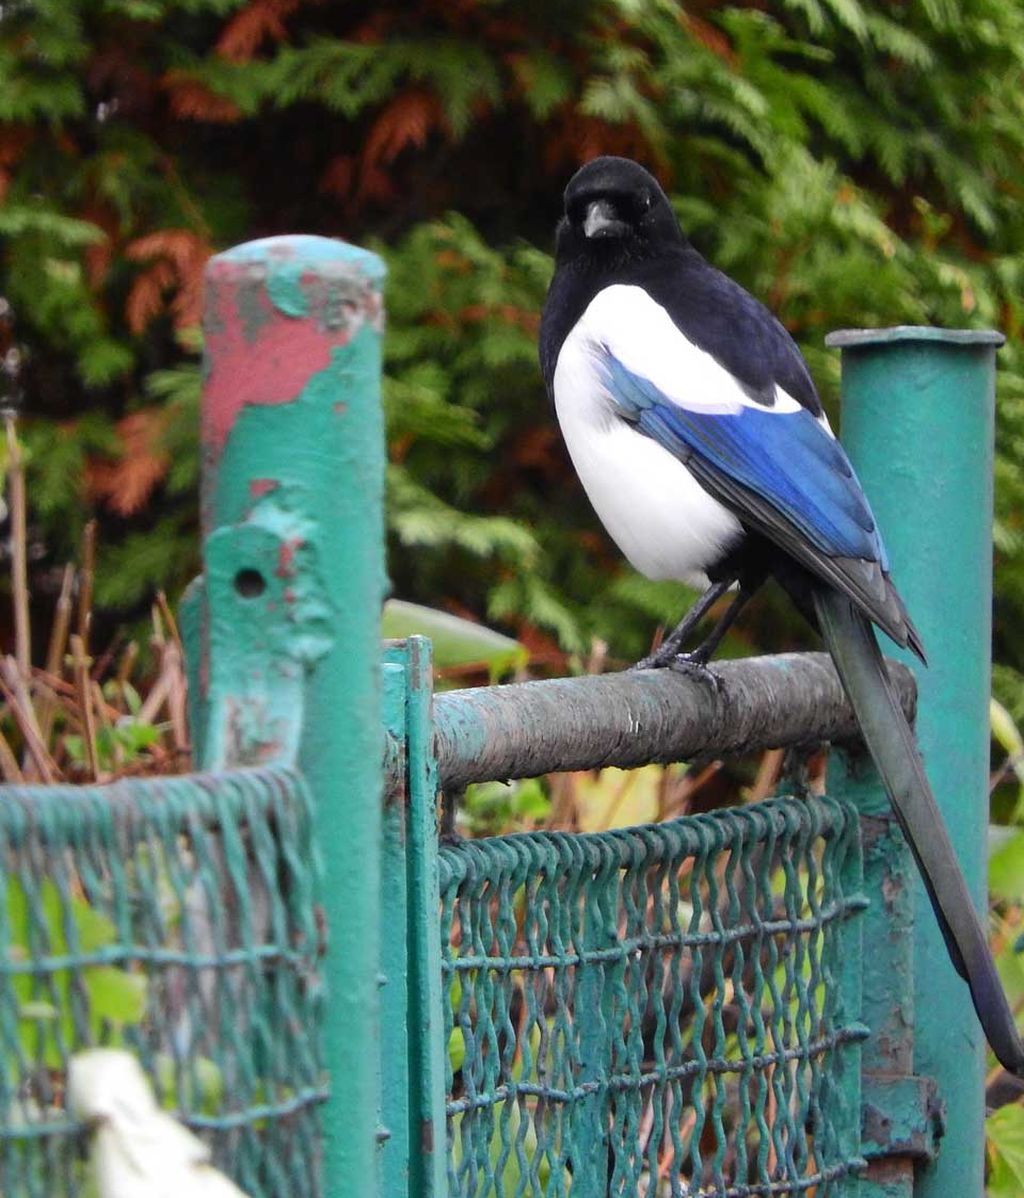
(853, 162)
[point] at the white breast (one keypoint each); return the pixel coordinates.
(657, 513)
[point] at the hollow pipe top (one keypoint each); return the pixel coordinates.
(276, 312)
(307, 251)
(854, 338)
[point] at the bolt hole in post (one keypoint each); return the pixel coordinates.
(250, 584)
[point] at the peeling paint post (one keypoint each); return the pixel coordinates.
(288, 609)
(918, 415)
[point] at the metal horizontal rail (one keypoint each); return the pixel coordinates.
(636, 717)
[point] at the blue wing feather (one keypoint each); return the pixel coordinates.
(786, 458)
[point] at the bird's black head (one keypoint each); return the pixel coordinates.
(615, 210)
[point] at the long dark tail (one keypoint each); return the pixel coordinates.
(851, 641)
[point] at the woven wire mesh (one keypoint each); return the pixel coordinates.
(173, 917)
(652, 1011)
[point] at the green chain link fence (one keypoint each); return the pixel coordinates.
(174, 917)
(656, 1010)
(719, 1006)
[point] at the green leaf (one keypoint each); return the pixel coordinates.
(37, 1009)
(456, 1049)
(1006, 870)
(116, 995)
(94, 929)
(1004, 1130)
(1007, 735)
(546, 81)
(134, 738)
(74, 746)
(113, 997)
(456, 641)
(202, 1089)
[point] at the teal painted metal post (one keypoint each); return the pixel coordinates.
(413, 1132)
(396, 999)
(880, 953)
(918, 414)
(428, 1172)
(844, 1104)
(292, 502)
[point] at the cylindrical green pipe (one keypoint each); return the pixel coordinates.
(917, 419)
(292, 503)
(877, 985)
(638, 716)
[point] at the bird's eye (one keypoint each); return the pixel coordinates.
(645, 201)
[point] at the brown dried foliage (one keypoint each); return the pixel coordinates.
(59, 722)
(126, 483)
(250, 27)
(176, 259)
(192, 100)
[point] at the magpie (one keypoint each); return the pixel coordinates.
(694, 425)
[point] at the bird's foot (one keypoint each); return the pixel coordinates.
(695, 665)
(653, 661)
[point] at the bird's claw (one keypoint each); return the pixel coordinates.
(653, 661)
(694, 666)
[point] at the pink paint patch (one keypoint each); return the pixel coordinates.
(264, 357)
(286, 557)
(262, 486)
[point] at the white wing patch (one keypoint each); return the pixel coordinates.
(657, 513)
(626, 322)
(822, 420)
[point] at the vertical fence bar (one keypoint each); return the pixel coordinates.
(396, 997)
(845, 1094)
(595, 1022)
(428, 1171)
(414, 1150)
(884, 988)
(918, 417)
(293, 463)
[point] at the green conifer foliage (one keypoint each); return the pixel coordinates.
(854, 162)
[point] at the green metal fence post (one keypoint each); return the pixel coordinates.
(414, 1139)
(889, 1111)
(293, 465)
(855, 883)
(918, 422)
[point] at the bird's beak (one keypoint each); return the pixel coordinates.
(602, 220)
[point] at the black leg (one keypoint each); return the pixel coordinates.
(696, 663)
(669, 647)
(706, 649)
